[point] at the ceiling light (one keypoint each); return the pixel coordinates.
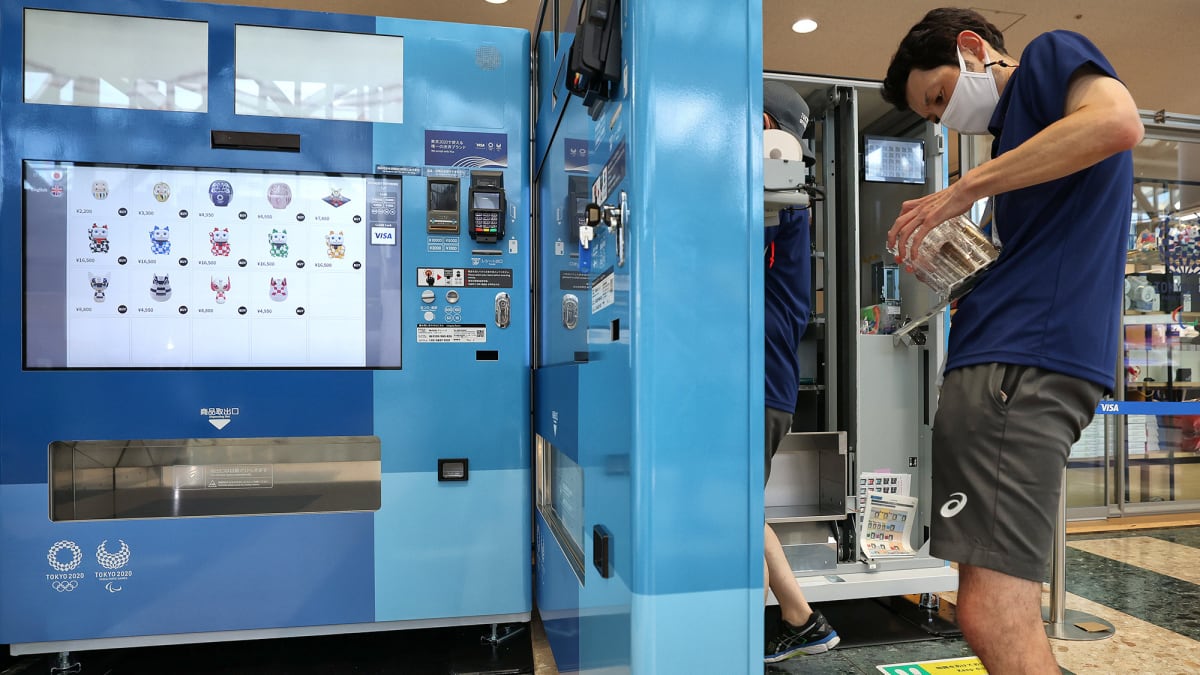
(801, 26)
(497, 2)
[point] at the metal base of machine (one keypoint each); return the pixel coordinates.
(929, 614)
(456, 649)
(259, 634)
(1070, 628)
(501, 634)
(65, 665)
(856, 580)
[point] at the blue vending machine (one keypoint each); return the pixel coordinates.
(649, 375)
(267, 339)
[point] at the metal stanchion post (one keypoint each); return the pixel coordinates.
(1063, 623)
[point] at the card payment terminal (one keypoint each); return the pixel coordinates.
(488, 206)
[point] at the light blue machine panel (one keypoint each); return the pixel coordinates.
(267, 354)
(648, 381)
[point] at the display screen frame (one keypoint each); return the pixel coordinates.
(47, 257)
(874, 172)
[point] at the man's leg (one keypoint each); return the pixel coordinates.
(804, 630)
(1001, 618)
(782, 580)
(1000, 443)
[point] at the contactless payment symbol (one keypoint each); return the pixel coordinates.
(162, 192)
(335, 199)
(279, 195)
(100, 189)
(220, 192)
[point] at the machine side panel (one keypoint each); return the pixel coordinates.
(557, 597)
(584, 391)
(696, 288)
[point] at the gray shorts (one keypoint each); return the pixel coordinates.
(1000, 444)
(778, 423)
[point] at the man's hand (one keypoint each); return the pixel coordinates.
(1099, 120)
(919, 216)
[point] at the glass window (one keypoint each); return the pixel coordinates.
(560, 499)
(1161, 359)
(284, 72)
(106, 61)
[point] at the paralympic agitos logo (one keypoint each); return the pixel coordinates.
(65, 557)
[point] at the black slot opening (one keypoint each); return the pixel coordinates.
(255, 140)
(487, 355)
(616, 330)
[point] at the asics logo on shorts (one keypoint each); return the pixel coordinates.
(953, 505)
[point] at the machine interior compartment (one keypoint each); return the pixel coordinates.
(100, 480)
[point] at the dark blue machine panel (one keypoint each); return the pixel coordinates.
(429, 369)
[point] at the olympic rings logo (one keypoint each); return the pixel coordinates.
(64, 586)
(76, 556)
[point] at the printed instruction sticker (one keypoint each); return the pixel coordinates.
(604, 291)
(443, 333)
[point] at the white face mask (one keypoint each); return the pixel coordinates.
(974, 99)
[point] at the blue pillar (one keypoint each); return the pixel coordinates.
(695, 79)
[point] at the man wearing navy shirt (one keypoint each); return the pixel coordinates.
(787, 288)
(1033, 347)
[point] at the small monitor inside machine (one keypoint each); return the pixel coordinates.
(893, 160)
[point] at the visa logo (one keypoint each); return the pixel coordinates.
(1109, 407)
(383, 236)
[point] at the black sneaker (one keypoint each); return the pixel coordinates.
(816, 636)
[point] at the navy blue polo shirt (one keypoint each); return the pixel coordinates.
(787, 265)
(1053, 297)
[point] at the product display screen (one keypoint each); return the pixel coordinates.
(171, 267)
(894, 160)
(443, 196)
(487, 200)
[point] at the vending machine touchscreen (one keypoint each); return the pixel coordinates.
(232, 275)
(487, 206)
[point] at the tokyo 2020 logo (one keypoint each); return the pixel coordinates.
(112, 561)
(56, 562)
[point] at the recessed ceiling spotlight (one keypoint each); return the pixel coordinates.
(801, 26)
(497, 2)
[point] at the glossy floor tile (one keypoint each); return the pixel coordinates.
(1149, 553)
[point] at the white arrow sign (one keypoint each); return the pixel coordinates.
(220, 424)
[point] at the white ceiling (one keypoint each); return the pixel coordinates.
(1151, 43)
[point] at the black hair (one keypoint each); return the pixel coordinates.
(930, 44)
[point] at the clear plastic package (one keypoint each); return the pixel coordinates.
(951, 254)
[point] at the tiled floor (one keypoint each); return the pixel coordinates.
(1145, 582)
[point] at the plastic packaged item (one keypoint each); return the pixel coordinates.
(951, 255)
